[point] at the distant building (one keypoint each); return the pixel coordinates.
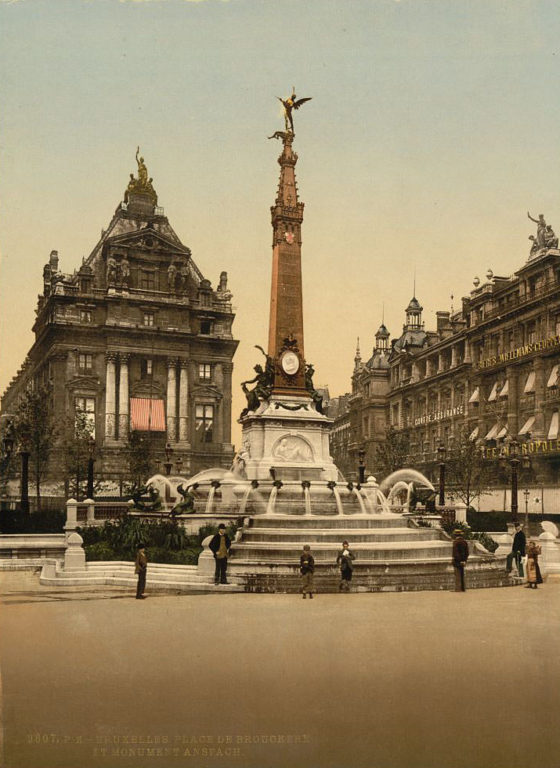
(491, 368)
(138, 339)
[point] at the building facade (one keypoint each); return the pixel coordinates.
(490, 369)
(138, 340)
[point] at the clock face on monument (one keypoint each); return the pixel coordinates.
(290, 363)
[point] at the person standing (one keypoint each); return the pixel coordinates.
(141, 568)
(517, 550)
(534, 577)
(460, 557)
(220, 545)
(344, 561)
(307, 569)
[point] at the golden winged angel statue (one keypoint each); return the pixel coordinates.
(290, 104)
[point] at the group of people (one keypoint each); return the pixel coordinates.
(220, 545)
(525, 554)
(344, 560)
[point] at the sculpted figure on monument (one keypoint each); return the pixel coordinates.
(261, 391)
(315, 396)
(545, 234)
(124, 268)
(142, 170)
(289, 104)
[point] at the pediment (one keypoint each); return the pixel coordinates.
(206, 390)
(149, 240)
(83, 382)
(146, 389)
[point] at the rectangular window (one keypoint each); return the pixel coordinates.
(205, 371)
(85, 361)
(86, 316)
(147, 281)
(149, 318)
(86, 406)
(206, 326)
(557, 325)
(204, 418)
(146, 368)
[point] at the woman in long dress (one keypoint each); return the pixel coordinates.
(533, 571)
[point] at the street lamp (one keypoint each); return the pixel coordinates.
(441, 456)
(361, 466)
(91, 461)
(526, 493)
(512, 457)
(168, 463)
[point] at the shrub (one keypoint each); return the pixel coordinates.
(46, 521)
(101, 550)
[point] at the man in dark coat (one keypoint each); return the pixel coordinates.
(344, 561)
(517, 550)
(460, 557)
(141, 568)
(220, 545)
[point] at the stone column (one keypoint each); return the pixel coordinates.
(218, 405)
(540, 397)
(454, 356)
(226, 402)
(183, 401)
(123, 398)
(512, 408)
(110, 382)
(171, 401)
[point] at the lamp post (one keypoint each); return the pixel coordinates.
(168, 463)
(441, 456)
(526, 493)
(511, 456)
(361, 466)
(91, 461)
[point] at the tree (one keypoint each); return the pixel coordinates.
(78, 435)
(393, 452)
(142, 459)
(35, 428)
(469, 474)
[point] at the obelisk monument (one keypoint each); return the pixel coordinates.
(285, 433)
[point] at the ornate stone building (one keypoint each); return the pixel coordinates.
(138, 339)
(491, 368)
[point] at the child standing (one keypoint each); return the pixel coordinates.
(307, 568)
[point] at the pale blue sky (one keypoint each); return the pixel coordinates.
(433, 127)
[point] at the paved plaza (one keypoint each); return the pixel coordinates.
(411, 680)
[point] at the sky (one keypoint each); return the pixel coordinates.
(434, 127)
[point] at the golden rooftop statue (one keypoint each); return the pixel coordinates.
(142, 185)
(289, 105)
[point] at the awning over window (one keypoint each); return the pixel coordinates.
(504, 392)
(147, 415)
(553, 429)
(475, 397)
(493, 432)
(502, 433)
(474, 434)
(494, 393)
(530, 383)
(553, 378)
(526, 428)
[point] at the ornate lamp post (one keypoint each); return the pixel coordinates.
(526, 493)
(512, 458)
(361, 466)
(441, 457)
(91, 461)
(168, 463)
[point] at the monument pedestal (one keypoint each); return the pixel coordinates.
(287, 439)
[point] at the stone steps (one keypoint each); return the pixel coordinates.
(281, 550)
(353, 535)
(301, 522)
